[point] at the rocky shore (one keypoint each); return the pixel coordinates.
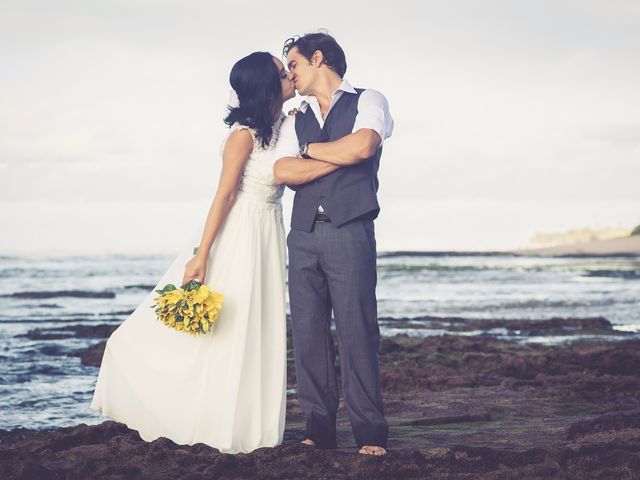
(459, 406)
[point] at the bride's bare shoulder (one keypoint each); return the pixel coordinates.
(239, 139)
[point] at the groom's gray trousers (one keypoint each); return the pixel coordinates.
(334, 268)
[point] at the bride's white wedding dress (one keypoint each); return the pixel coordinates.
(226, 388)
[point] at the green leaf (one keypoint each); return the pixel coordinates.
(191, 285)
(195, 250)
(170, 287)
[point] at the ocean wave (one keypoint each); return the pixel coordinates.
(12, 272)
(624, 274)
(402, 268)
(48, 349)
(44, 316)
(62, 293)
(534, 303)
(48, 369)
(30, 272)
(443, 254)
(41, 305)
(140, 287)
(54, 320)
(118, 312)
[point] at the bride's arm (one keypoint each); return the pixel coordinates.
(234, 158)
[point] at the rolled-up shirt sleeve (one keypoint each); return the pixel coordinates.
(373, 113)
(287, 145)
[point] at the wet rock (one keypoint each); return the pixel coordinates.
(92, 356)
(71, 331)
(608, 423)
(458, 407)
(570, 327)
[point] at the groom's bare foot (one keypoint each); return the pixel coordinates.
(309, 442)
(372, 450)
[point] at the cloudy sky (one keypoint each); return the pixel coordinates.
(511, 117)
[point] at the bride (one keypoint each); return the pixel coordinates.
(226, 388)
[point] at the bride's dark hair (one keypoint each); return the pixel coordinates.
(256, 80)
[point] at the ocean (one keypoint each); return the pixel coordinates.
(43, 388)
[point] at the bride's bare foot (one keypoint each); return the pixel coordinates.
(308, 441)
(372, 450)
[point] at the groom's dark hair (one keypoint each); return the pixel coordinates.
(332, 52)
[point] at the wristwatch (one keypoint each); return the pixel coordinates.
(303, 150)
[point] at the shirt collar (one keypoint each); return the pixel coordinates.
(345, 86)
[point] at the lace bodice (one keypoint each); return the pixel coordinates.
(257, 178)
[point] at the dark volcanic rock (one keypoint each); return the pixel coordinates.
(109, 450)
(608, 423)
(512, 327)
(69, 331)
(439, 363)
(92, 356)
(458, 408)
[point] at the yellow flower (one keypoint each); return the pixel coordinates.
(172, 297)
(201, 294)
(190, 311)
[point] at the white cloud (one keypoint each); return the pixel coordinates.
(499, 108)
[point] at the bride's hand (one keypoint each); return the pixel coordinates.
(196, 268)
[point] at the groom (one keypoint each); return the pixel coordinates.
(329, 154)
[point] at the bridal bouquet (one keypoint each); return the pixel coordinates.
(193, 308)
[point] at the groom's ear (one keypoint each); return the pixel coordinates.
(317, 58)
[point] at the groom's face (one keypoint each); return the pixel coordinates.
(302, 71)
(288, 90)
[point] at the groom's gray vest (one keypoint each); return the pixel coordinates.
(347, 193)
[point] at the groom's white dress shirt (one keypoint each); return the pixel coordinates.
(373, 113)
